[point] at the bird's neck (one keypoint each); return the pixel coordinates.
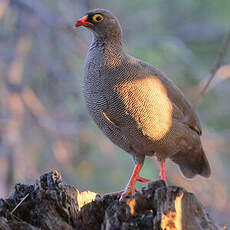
(111, 50)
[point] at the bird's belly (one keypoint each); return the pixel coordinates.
(121, 128)
(97, 104)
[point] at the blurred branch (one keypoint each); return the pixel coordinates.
(15, 108)
(36, 7)
(3, 6)
(47, 16)
(16, 70)
(214, 69)
(223, 73)
(45, 121)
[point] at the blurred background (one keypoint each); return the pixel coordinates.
(44, 124)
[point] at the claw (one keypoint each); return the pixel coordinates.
(128, 192)
(130, 188)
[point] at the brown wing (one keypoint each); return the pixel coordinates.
(178, 98)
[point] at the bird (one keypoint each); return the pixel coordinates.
(137, 106)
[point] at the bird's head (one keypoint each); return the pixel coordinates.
(102, 22)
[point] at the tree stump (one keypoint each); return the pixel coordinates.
(50, 204)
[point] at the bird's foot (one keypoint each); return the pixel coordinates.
(131, 188)
(129, 191)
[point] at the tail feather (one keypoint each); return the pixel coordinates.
(192, 163)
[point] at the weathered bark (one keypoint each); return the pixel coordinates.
(49, 204)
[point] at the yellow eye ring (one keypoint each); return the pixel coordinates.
(97, 17)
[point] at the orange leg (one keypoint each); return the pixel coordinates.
(130, 187)
(162, 171)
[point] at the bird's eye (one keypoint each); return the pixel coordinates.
(97, 17)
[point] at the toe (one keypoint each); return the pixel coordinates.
(142, 179)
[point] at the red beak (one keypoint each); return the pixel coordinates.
(82, 22)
